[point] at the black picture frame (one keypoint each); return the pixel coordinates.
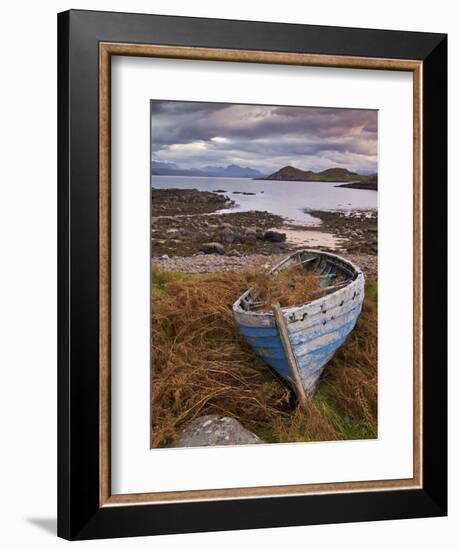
(80, 515)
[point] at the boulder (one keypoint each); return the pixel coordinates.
(215, 429)
(249, 238)
(212, 248)
(226, 225)
(274, 236)
(228, 235)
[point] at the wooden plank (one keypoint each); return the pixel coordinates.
(319, 329)
(291, 360)
(305, 314)
(313, 310)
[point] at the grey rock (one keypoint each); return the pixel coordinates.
(274, 236)
(228, 235)
(249, 238)
(250, 231)
(226, 225)
(214, 429)
(164, 257)
(212, 248)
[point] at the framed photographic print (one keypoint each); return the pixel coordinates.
(252, 316)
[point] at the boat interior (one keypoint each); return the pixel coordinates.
(329, 267)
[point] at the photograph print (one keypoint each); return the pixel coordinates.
(264, 282)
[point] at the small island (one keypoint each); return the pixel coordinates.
(331, 175)
(371, 184)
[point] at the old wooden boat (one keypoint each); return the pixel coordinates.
(297, 342)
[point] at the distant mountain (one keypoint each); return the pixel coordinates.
(290, 173)
(231, 171)
(158, 165)
(171, 169)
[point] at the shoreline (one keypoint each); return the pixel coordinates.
(191, 223)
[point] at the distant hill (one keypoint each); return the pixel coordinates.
(339, 175)
(290, 173)
(231, 171)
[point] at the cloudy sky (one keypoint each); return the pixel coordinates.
(192, 135)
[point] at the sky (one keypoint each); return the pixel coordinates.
(192, 135)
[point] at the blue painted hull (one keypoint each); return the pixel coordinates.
(266, 343)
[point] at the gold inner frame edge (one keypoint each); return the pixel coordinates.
(106, 51)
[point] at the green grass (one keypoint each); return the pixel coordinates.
(346, 427)
(292, 427)
(160, 279)
(371, 291)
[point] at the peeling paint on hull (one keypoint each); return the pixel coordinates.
(316, 329)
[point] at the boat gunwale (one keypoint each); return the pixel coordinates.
(237, 308)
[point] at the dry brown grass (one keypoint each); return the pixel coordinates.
(292, 286)
(201, 365)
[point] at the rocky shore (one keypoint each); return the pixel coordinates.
(183, 224)
(190, 234)
(371, 185)
(173, 202)
(358, 231)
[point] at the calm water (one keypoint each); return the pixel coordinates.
(285, 198)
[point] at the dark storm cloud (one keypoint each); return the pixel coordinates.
(183, 107)
(263, 137)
